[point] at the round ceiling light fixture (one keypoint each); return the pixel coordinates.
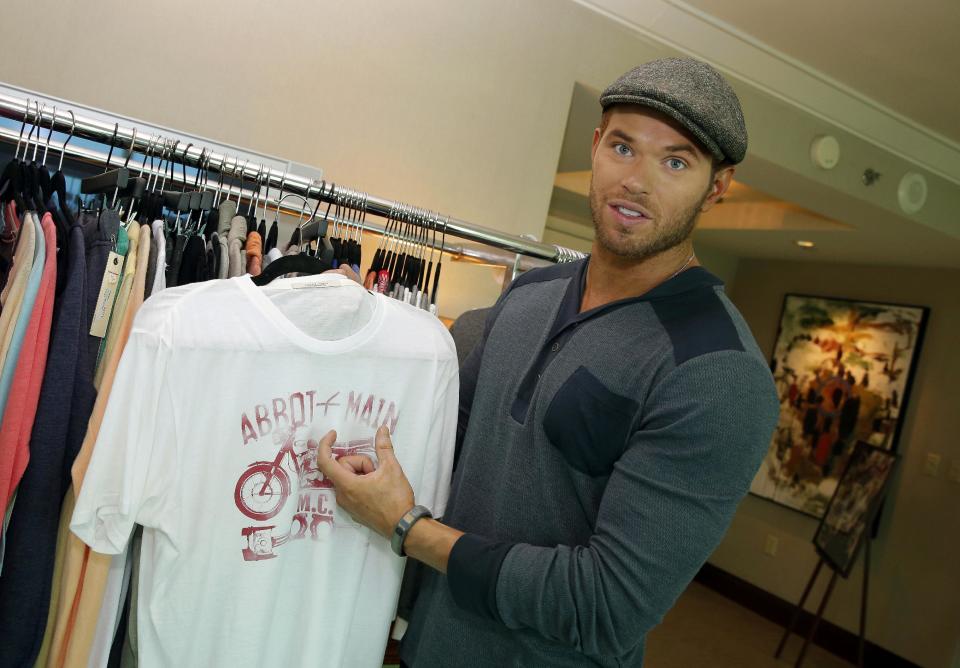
(825, 151)
(912, 192)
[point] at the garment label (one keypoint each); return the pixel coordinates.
(108, 288)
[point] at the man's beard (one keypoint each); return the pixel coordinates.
(669, 233)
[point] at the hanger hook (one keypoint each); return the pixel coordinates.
(26, 112)
(63, 149)
(36, 126)
(171, 153)
(183, 166)
(46, 148)
(255, 200)
(133, 143)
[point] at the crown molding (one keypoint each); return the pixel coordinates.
(683, 28)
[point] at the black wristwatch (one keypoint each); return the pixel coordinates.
(403, 527)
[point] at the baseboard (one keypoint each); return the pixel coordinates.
(830, 637)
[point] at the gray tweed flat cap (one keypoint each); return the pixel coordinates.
(692, 93)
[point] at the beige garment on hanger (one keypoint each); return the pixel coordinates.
(225, 214)
(236, 238)
(121, 300)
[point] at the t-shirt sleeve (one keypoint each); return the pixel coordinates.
(434, 487)
(131, 469)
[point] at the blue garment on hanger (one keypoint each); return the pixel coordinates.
(23, 318)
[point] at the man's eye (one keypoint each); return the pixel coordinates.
(676, 164)
(622, 149)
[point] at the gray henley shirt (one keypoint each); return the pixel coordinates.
(601, 456)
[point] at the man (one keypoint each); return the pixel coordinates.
(611, 419)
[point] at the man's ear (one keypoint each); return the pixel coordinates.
(596, 142)
(718, 187)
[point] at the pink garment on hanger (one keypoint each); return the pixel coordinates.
(25, 389)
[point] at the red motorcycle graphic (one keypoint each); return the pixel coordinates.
(264, 487)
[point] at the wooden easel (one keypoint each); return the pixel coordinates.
(822, 607)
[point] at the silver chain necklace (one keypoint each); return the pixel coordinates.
(677, 272)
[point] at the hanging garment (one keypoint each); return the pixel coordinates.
(8, 241)
(57, 593)
(193, 263)
(121, 301)
(272, 237)
(212, 258)
(179, 246)
(254, 251)
(342, 358)
(225, 214)
(130, 653)
(102, 234)
(32, 535)
(18, 340)
(152, 262)
(84, 574)
(27, 378)
(160, 279)
(223, 267)
(236, 239)
(273, 254)
(16, 288)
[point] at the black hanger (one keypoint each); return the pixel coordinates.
(436, 277)
(317, 229)
(110, 180)
(301, 263)
(31, 187)
(58, 183)
(11, 180)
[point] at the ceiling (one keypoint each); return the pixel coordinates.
(752, 223)
(903, 55)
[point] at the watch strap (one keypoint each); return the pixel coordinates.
(400, 531)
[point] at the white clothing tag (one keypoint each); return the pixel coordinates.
(108, 288)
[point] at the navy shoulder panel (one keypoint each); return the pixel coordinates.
(538, 275)
(697, 323)
(553, 272)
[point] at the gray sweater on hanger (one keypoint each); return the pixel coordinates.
(603, 456)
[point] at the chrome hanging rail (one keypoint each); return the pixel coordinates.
(62, 120)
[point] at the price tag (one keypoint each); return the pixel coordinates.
(108, 288)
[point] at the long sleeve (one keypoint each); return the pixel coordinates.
(703, 434)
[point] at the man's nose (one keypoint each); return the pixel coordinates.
(635, 180)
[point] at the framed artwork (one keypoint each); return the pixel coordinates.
(853, 506)
(843, 370)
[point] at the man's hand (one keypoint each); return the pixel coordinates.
(377, 498)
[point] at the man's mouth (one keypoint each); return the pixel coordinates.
(628, 214)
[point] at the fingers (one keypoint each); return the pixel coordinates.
(384, 445)
(358, 464)
(330, 469)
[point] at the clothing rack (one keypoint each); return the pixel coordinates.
(470, 252)
(53, 115)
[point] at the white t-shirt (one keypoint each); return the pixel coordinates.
(208, 441)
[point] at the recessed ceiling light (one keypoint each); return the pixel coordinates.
(805, 244)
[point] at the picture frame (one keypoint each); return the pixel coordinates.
(844, 370)
(857, 500)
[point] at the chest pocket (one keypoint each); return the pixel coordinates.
(588, 423)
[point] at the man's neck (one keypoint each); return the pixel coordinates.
(612, 277)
